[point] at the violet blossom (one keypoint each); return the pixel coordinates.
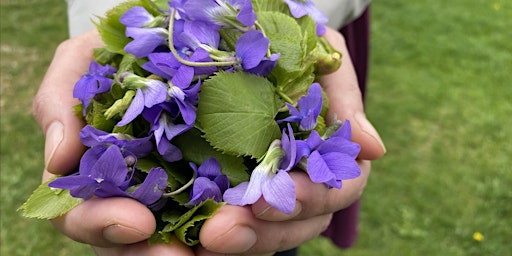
(165, 65)
(197, 34)
(164, 129)
(182, 94)
(147, 32)
(309, 108)
(228, 13)
(145, 40)
(149, 92)
(252, 48)
(269, 180)
(209, 183)
(332, 160)
(95, 138)
(94, 82)
(106, 169)
(186, 100)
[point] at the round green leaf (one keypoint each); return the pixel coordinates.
(236, 112)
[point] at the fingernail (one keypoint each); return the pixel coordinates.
(368, 128)
(238, 239)
(120, 234)
(54, 136)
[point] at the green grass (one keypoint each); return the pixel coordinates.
(439, 93)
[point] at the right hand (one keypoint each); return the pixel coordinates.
(97, 222)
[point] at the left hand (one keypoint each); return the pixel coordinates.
(263, 230)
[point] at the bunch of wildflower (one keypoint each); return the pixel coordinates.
(195, 103)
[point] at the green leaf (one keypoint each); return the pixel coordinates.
(296, 84)
(285, 36)
(95, 115)
(188, 233)
(185, 223)
(111, 30)
(161, 4)
(196, 149)
(48, 203)
(310, 39)
(236, 113)
(103, 56)
(270, 5)
(230, 37)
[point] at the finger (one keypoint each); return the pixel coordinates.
(345, 101)
(54, 102)
(235, 230)
(314, 199)
(143, 248)
(107, 222)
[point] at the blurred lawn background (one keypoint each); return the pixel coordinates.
(440, 94)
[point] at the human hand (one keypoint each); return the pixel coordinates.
(117, 232)
(260, 229)
(116, 223)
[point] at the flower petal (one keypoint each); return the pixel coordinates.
(342, 166)
(110, 166)
(152, 188)
(136, 16)
(108, 189)
(251, 47)
(345, 131)
(154, 93)
(145, 40)
(210, 168)
(134, 110)
(235, 195)
(204, 189)
(279, 192)
(89, 158)
(341, 145)
(78, 186)
(318, 169)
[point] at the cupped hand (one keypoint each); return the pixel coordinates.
(113, 226)
(261, 229)
(120, 226)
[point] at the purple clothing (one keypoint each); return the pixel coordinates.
(343, 228)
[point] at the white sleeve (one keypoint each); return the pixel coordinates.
(81, 13)
(341, 12)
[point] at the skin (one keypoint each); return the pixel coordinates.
(120, 226)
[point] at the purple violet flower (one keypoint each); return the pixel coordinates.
(252, 48)
(268, 180)
(299, 8)
(165, 65)
(186, 100)
(198, 34)
(106, 169)
(309, 108)
(164, 130)
(333, 160)
(220, 12)
(96, 81)
(150, 92)
(145, 40)
(210, 183)
(95, 138)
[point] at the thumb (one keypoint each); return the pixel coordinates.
(345, 102)
(54, 102)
